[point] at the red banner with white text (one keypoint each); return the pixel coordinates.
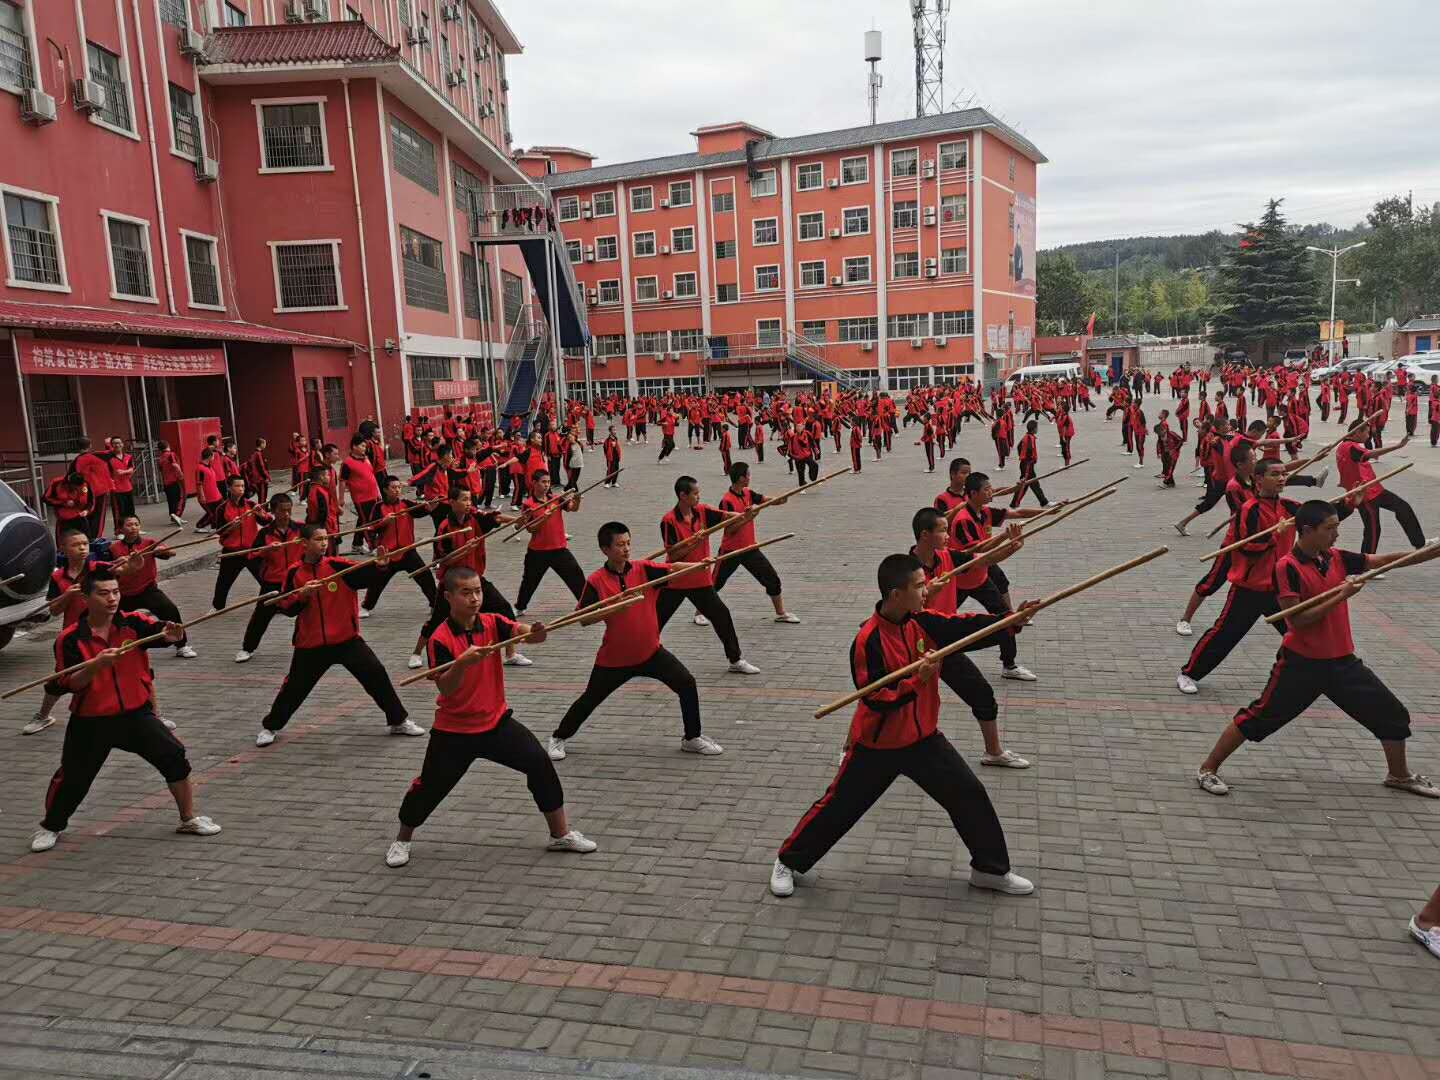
(48, 357)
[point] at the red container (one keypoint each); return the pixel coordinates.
(187, 439)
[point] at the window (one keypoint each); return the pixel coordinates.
(414, 155)
(723, 202)
(687, 340)
(643, 243)
(906, 264)
(17, 66)
(857, 269)
(812, 274)
(32, 242)
(953, 208)
(767, 278)
(337, 415)
(607, 248)
(859, 329)
(1012, 168)
(307, 275)
(647, 288)
(469, 286)
(609, 344)
(444, 54)
(424, 267)
(724, 249)
(185, 125)
(954, 323)
(608, 291)
(130, 259)
(857, 220)
(106, 69)
(727, 294)
(954, 155)
(949, 372)
(55, 412)
(813, 330)
(235, 17)
(767, 230)
(905, 215)
(690, 384)
(650, 341)
(681, 193)
(425, 372)
(567, 208)
(573, 251)
(467, 188)
(955, 261)
(767, 332)
(173, 12)
(512, 297)
(642, 198)
(908, 378)
(202, 268)
(404, 6)
(686, 286)
(762, 184)
(292, 136)
(603, 203)
(612, 387)
(904, 163)
(682, 240)
(908, 326)
(812, 226)
(810, 177)
(854, 170)
(652, 387)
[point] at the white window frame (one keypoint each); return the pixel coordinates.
(823, 271)
(564, 201)
(575, 254)
(800, 171)
(675, 248)
(895, 206)
(755, 223)
(600, 291)
(824, 337)
(214, 241)
(964, 144)
(775, 326)
(895, 257)
(865, 161)
(905, 150)
(95, 118)
(800, 226)
(602, 258)
(107, 216)
(614, 203)
(199, 114)
(693, 292)
(845, 229)
(964, 255)
(963, 206)
(716, 195)
(649, 190)
(260, 103)
(654, 281)
(635, 244)
(27, 22)
(767, 288)
(869, 270)
(727, 285)
(689, 186)
(53, 201)
(275, 245)
(774, 184)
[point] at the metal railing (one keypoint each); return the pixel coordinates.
(778, 347)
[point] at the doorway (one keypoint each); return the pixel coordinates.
(314, 421)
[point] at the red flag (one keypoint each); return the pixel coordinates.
(1090, 326)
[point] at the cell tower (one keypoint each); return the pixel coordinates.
(873, 57)
(929, 17)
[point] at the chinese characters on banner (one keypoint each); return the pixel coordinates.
(49, 357)
(454, 389)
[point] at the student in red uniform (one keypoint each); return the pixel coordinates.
(172, 477)
(896, 732)
(122, 481)
(1029, 454)
(207, 488)
(1317, 656)
(631, 647)
(71, 499)
(612, 459)
(257, 473)
(94, 466)
(1355, 468)
(547, 549)
(740, 500)
(236, 521)
(758, 440)
(327, 632)
(802, 449)
(358, 474)
(276, 547)
(1238, 491)
(474, 722)
(134, 566)
(395, 519)
(113, 709)
(64, 597)
(322, 502)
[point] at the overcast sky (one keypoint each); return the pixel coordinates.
(1158, 116)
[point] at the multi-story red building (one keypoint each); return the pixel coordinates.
(288, 183)
(893, 254)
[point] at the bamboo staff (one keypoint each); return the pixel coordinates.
(273, 600)
(1036, 479)
(158, 543)
(1281, 524)
(449, 555)
(535, 517)
(601, 605)
(1068, 507)
(1429, 551)
(1024, 615)
(1073, 508)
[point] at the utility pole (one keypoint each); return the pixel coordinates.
(1334, 254)
(872, 57)
(1117, 288)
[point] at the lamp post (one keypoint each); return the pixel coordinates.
(1334, 254)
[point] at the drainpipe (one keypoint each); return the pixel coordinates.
(164, 232)
(364, 264)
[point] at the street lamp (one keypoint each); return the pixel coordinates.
(1334, 254)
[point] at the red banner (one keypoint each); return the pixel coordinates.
(455, 389)
(82, 358)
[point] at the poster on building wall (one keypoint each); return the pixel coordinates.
(1023, 251)
(50, 357)
(992, 338)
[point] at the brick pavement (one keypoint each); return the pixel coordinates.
(1172, 934)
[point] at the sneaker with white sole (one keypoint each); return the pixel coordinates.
(405, 727)
(1011, 882)
(185, 652)
(265, 738)
(744, 667)
(176, 519)
(198, 826)
(1186, 685)
(519, 660)
(701, 744)
(555, 748)
(1323, 475)
(1211, 782)
(700, 620)
(519, 613)
(1429, 938)
(242, 657)
(1006, 759)
(1415, 784)
(168, 724)
(1138, 465)
(782, 879)
(366, 612)
(43, 840)
(1021, 674)
(398, 854)
(1179, 528)
(415, 661)
(37, 723)
(788, 617)
(1183, 628)
(574, 840)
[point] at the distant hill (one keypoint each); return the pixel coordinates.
(1141, 253)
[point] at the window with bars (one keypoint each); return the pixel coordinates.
(725, 249)
(767, 278)
(911, 326)
(425, 372)
(813, 330)
(812, 226)
(130, 256)
(643, 243)
(308, 276)
(604, 203)
(905, 215)
(424, 266)
(609, 344)
(185, 124)
(810, 177)
(858, 329)
(470, 285)
(34, 242)
(812, 274)
(607, 248)
(414, 155)
(337, 413)
(567, 208)
(204, 277)
(404, 12)
(955, 261)
(105, 69)
(512, 295)
(767, 332)
(906, 264)
(292, 136)
(857, 269)
(467, 184)
(953, 209)
(55, 414)
(954, 323)
(17, 66)
(727, 293)
(608, 291)
(687, 286)
(857, 221)
(722, 202)
(647, 288)
(687, 340)
(854, 170)
(766, 230)
(174, 13)
(682, 240)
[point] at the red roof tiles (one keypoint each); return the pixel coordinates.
(350, 42)
(105, 321)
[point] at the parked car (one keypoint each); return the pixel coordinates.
(1344, 365)
(1296, 358)
(27, 551)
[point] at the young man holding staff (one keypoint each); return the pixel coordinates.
(739, 499)
(139, 577)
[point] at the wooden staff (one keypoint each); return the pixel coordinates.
(216, 534)
(1000, 624)
(1418, 555)
(459, 550)
(158, 543)
(535, 517)
(1073, 508)
(273, 600)
(1036, 479)
(939, 581)
(1281, 524)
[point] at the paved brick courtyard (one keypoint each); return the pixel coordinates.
(1172, 934)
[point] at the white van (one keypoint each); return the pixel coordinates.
(1044, 371)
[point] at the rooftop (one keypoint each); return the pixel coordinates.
(349, 42)
(1423, 322)
(107, 321)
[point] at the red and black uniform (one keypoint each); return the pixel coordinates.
(1167, 449)
(275, 549)
(547, 551)
(360, 480)
(895, 732)
(327, 632)
(631, 648)
(698, 586)
(115, 710)
(396, 530)
(256, 471)
(755, 562)
(958, 671)
(611, 448)
(989, 585)
(1237, 494)
(1029, 454)
(237, 525)
(172, 477)
(473, 556)
(140, 586)
(94, 466)
(801, 447)
(1355, 469)
(73, 504)
(1065, 432)
(1319, 659)
(61, 583)
(321, 507)
(122, 487)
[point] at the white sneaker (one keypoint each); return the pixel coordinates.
(701, 744)
(176, 519)
(169, 724)
(365, 612)
(1212, 783)
(1184, 629)
(700, 620)
(782, 879)
(398, 854)
(415, 661)
(405, 727)
(242, 657)
(1429, 938)
(265, 738)
(37, 723)
(1006, 759)
(1011, 882)
(213, 611)
(788, 617)
(519, 613)
(1415, 784)
(198, 826)
(43, 840)
(1021, 674)
(744, 667)
(574, 840)
(1322, 477)
(1137, 465)
(1186, 684)
(185, 652)
(519, 660)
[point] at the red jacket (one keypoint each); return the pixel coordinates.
(331, 614)
(127, 685)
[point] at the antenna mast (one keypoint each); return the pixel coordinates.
(872, 57)
(929, 17)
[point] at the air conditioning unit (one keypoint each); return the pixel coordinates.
(941, 342)
(930, 271)
(207, 170)
(594, 297)
(930, 264)
(867, 346)
(589, 256)
(315, 10)
(834, 234)
(664, 249)
(929, 215)
(927, 168)
(424, 35)
(89, 96)
(486, 111)
(664, 204)
(586, 214)
(37, 107)
(412, 35)
(505, 85)
(585, 204)
(480, 54)
(669, 295)
(294, 11)
(917, 342)
(837, 280)
(454, 78)
(834, 181)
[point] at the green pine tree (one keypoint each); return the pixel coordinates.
(1265, 291)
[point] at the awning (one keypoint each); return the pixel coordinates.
(15, 313)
